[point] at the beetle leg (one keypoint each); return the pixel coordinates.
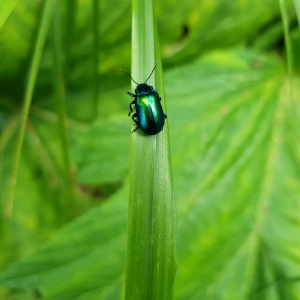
(134, 116)
(136, 128)
(131, 110)
(130, 94)
(165, 116)
(159, 99)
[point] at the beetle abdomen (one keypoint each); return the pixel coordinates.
(150, 113)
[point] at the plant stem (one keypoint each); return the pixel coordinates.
(61, 111)
(287, 40)
(96, 57)
(46, 15)
(70, 20)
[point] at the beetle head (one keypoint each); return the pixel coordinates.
(143, 88)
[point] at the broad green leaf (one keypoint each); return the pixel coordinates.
(41, 193)
(101, 151)
(192, 27)
(235, 152)
(38, 199)
(93, 245)
(238, 237)
(6, 7)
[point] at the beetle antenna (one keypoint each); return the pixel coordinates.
(152, 71)
(129, 76)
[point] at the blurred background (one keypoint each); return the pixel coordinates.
(234, 141)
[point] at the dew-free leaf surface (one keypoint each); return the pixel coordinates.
(185, 29)
(235, 157)
(6, 7)
(106, 146)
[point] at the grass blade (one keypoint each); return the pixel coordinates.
(151, 262)
(59, 84)
(6, 8)
(69, 36)
(297, 6)
(96, 21)
(46, 15)
(287, 39)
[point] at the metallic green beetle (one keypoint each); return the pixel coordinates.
(149, 115)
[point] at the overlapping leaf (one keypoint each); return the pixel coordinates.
(185, 32)
(106, 148)
(236, 168)
(6, 8)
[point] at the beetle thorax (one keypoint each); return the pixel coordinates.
(143, 88)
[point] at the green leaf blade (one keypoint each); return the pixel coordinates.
(297, 7)
(151, 232)
(46, 15)
(6, 8)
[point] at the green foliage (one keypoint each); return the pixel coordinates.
(47, 11)
(151, 264)
(6, 7)
(233, 119)
(297, 6)
(104, 144)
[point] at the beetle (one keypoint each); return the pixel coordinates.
(149, 115)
